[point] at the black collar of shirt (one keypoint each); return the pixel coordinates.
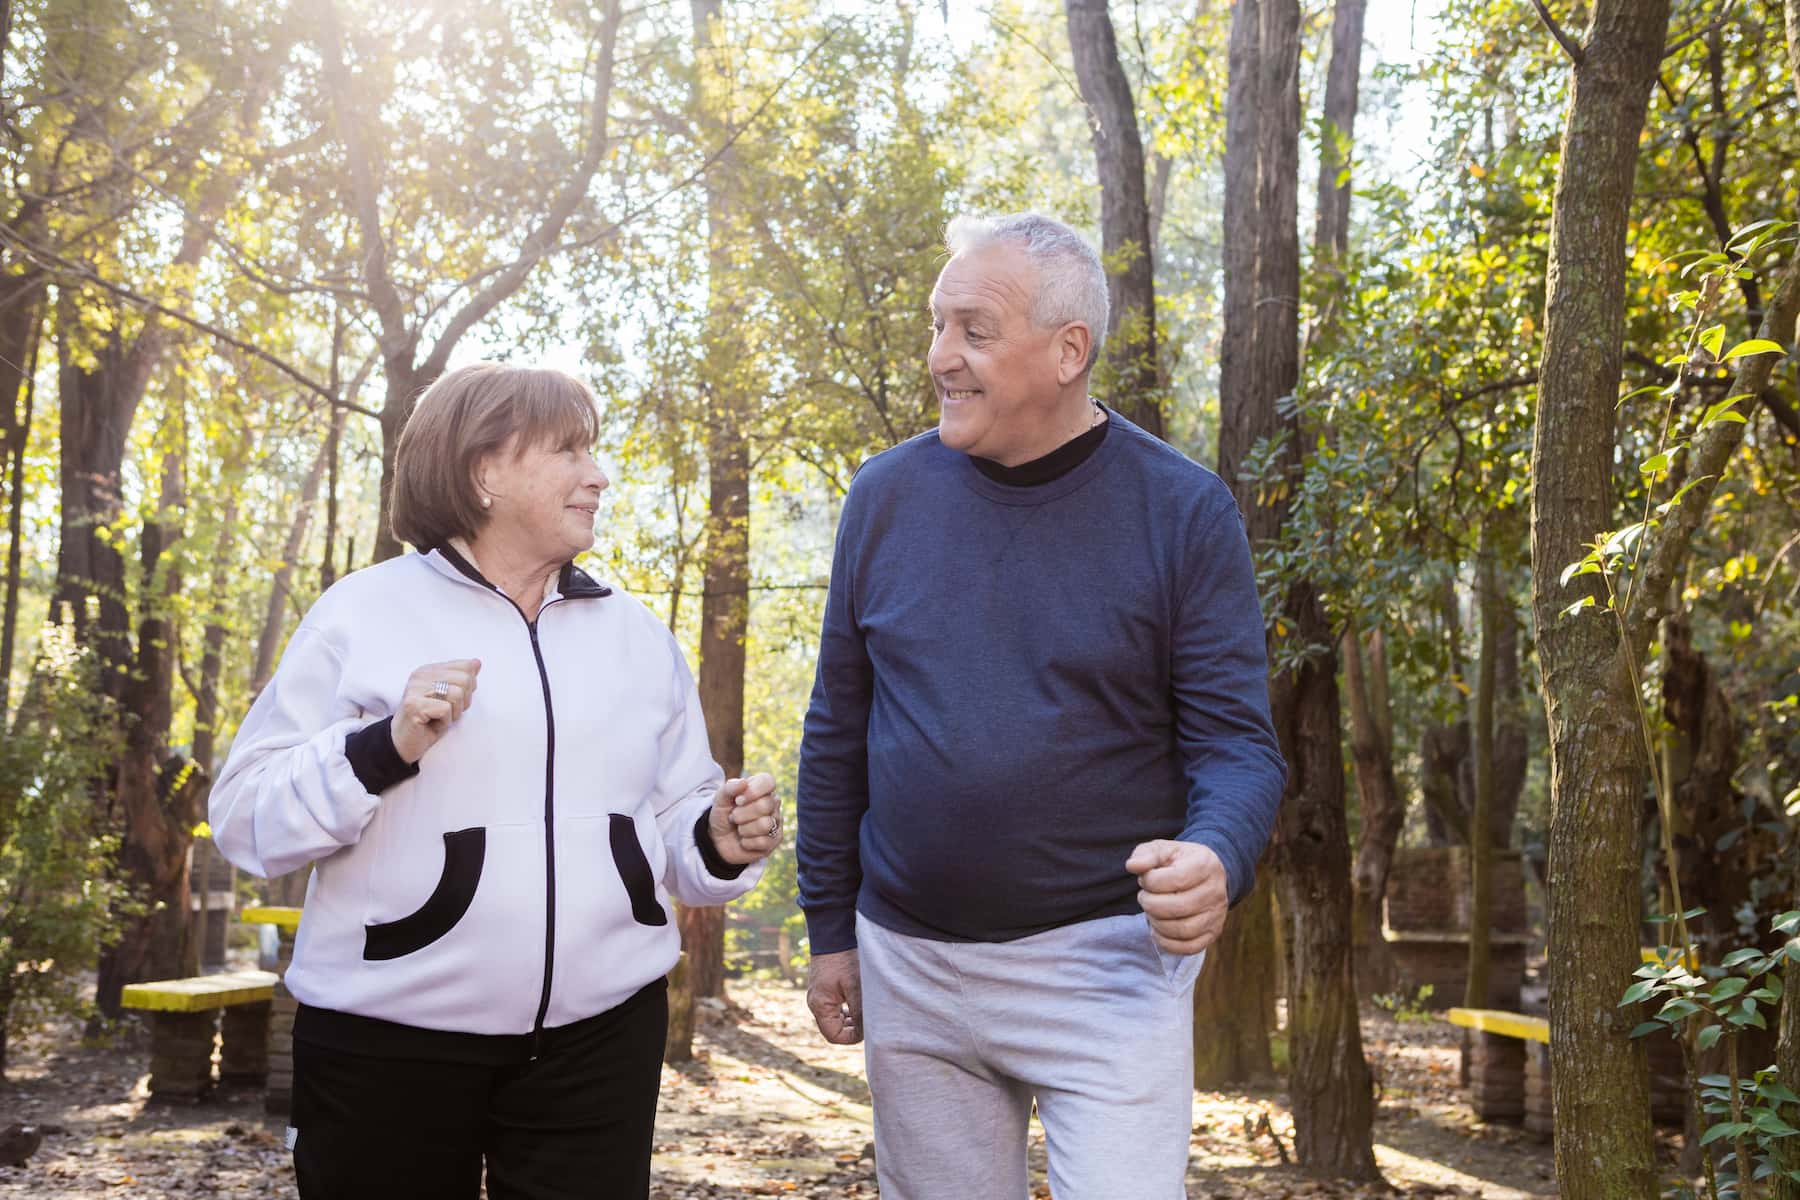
(1052, 466)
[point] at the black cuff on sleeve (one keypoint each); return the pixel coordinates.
(709, 853)
(372, 756)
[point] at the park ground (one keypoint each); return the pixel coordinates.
(767, 1109)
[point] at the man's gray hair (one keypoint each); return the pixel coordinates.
(1071, 279)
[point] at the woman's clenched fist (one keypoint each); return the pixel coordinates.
(436, 695)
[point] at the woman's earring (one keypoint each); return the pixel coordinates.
(487, 502)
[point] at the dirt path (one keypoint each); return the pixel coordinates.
(768, 1110)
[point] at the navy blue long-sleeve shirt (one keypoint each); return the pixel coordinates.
(1017, 685)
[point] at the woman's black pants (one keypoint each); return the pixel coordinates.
(574, 1122)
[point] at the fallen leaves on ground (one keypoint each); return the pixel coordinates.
(766, 1109)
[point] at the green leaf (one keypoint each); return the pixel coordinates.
(1725, 989)
(1751, 228)
(1584, 602)
(1647, 1028)
(1638, 991)
(1709, 1037)
(1725, 1129)
(1740, 956)
(1724, 410)
(1712, 339)
(1676, 1010)
(1778, 1092)
(1768, 1122)
(1786, 922)
(1754, 346)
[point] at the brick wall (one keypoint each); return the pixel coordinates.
(1428, 890)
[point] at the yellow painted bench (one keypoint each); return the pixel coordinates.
(286, 919)
(184, 1016)
(278, 1093)
(201, 992)
(1508, 1066)
(1502, 1024)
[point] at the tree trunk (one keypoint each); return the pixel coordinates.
(1787, 1052)
(333, 455)
(1331, 229)
(1241, 419)
(1125, 242)
(269, 641)
(1244, 958)
(725, 594)
(212, 652)
(1512, 740)
(22, 394)
(1234, 997)
(156, 792)
(1603, 1138)
(1329, 1083)
(405, 383)
(1329, 1080)
(97, 408)
(1481, 839)
(1383, 806)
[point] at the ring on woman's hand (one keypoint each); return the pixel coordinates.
(440, 689)
(774, 826)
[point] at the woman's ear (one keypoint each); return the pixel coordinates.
(481, 474)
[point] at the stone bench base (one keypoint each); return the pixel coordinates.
(181, 1050)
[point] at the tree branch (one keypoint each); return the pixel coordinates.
(1708, 455)
(1570, 46)
(541, 240)
(83, 273)
(365, 196)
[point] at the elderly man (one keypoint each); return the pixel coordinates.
(1038, 764)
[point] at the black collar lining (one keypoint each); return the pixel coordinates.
(1050, 467)
(572, 582)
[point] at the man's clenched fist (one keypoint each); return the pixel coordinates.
(1182, 888)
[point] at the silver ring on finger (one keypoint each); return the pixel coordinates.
(440, 689)
(774, 826)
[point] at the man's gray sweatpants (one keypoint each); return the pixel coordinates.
(1093, 1021)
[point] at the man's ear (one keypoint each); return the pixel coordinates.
(1073, 343)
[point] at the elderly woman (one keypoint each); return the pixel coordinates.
(499, 768)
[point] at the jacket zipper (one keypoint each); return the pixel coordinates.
(537, 1026)
(537, 653)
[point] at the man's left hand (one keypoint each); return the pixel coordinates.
(1182, 889)
(745, 821)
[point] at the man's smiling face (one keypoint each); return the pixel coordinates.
(994, 369)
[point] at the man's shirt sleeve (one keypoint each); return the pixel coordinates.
(1220, 676)
(833, 788)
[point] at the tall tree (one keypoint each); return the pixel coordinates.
(1130, 364)
(1382, 805)
(1329, 1079)
(727, 380)
(406, 311)
(1243, 959)
(1603, 1142)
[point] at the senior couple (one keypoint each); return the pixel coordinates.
(1036, 769)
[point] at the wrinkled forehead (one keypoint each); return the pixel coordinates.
(996, 278)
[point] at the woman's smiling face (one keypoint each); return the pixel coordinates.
(544, 498)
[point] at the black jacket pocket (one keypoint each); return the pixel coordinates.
(634, 869)
(464, 851)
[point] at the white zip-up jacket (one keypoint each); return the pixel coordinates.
(520, 879)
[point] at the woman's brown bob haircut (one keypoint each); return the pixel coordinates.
(470, 413)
